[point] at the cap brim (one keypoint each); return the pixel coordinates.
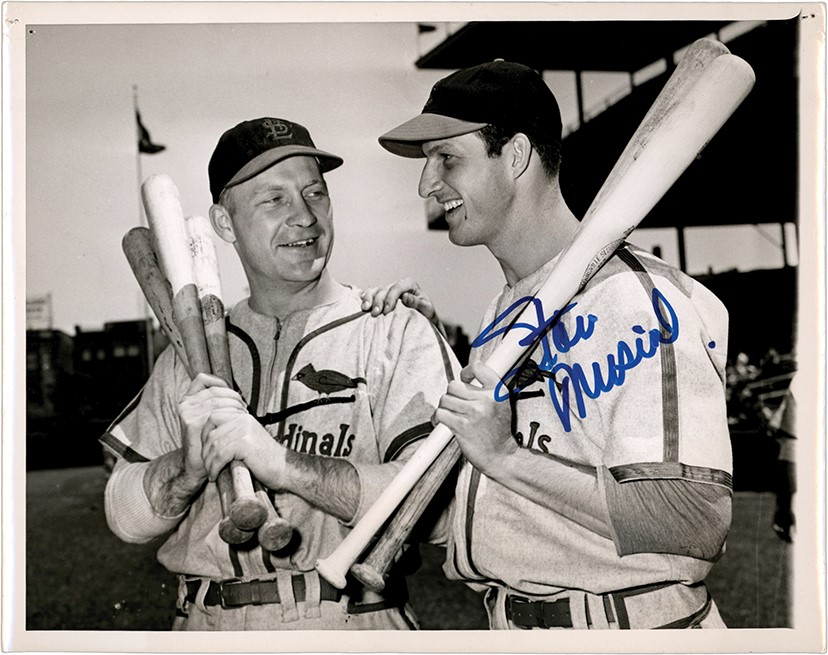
(407, 139)
(327, 161)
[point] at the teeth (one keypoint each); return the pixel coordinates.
(299, 244)
(451, 204)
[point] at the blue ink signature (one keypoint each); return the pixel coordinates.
(567, 382)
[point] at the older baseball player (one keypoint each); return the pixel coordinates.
(328, 402)
(597, 486)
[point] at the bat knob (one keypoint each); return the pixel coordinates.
(247, 513)
(369, 576)
(275, 534)
(230, 534)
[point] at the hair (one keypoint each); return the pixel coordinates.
(225, 200)
(495, 137)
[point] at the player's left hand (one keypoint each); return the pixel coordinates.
(481, 424)
(235, 434)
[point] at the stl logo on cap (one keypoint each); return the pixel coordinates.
(277, 129)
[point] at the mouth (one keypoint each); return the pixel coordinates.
(450, 206)
(302, 243)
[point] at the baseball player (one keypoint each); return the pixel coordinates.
(327, 404)
(596, 490)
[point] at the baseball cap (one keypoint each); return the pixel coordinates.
(252, 146)
(501, 93)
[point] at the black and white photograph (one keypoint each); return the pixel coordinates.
(413, 327)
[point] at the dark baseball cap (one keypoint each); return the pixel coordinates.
(250, 147)
(500, 93)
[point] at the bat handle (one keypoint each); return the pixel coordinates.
(247, 510)
(275, 533)
(228, 531)
(334, 567)
(372, 571)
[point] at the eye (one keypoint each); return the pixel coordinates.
(316, 193)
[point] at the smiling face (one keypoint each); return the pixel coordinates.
(474, 189)
(281, 223)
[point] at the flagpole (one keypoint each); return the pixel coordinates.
(143, 223)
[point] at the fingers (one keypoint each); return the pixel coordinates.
(216, 449)
(382, 300)
(482, 373)
(420, 304)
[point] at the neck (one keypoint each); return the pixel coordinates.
(285, 298)
(541, 226)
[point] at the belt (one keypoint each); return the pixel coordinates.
(237, 593)
(526, 613)
(647, 606)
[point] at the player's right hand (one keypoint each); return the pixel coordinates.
(205, 394)
(382, 300)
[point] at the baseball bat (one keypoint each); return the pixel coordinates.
(137, 246)
(172, 245)
(246, 511)
(275, 533)
(674, 138)
(139, 250)
(371, 572)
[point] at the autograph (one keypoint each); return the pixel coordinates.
(570, 383)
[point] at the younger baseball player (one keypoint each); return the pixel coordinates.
(597, 488)
(326, 405)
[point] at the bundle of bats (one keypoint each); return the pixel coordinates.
(176, 265)
(705, 89)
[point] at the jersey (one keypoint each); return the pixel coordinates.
(629, 384)
(330, 381)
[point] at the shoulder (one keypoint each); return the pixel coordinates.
(635, 273)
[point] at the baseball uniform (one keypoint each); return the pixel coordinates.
(329, 381)
(629, 386)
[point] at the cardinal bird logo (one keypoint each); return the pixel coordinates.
(326, 382)
(530, 373)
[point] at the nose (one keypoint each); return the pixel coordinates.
(302, 214)
(429, 180)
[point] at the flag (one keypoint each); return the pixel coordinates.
(145, 143)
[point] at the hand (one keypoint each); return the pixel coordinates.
(382, 300)
(205, 394)
(232, 433)
(481, 425)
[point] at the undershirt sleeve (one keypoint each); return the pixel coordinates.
(673, 516)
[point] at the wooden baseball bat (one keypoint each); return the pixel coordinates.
(371, 572)
(275, 533)
(172, 245)
(139, 251)
(676, 136)
(137, 246)
(250, 509)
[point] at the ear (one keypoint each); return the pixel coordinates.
(520, 152)
(222, 223)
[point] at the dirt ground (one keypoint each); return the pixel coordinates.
(81, 577)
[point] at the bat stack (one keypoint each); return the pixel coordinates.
(707, 86)
(176, 266)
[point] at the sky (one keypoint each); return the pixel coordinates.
(346, 82)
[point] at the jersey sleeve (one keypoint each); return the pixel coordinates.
(411, 365)
(655, 386)
(147, 429)
(673, 516)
